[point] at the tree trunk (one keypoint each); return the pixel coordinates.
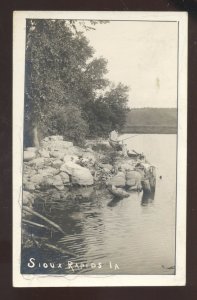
(35, 137)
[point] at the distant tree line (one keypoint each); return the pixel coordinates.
(66, 91)
(152, 117)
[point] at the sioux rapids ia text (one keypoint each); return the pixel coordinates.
(70, 265)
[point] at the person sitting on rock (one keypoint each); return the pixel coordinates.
(117, 144)
(113, 140)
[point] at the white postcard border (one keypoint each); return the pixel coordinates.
(19, 30)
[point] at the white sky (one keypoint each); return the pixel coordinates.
(142, 55)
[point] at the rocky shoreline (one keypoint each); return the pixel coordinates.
(58, 164)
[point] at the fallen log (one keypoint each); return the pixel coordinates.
(54, 225)
(34, 224)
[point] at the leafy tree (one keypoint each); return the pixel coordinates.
(108, 111)
(60, 69)
(68, 122)
(117, 99)
(61, 75)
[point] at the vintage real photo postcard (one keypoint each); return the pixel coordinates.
(99, 148)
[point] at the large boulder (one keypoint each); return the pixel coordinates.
(44, 153)
(69, 167)
(89, 156)
(65, 177)
(31, 149)
(26, 167)
(101, 145)
(57, 163)
(57, 145)
(38, 162)
(29, 186)
(37, 179)
(28, 173)
(75, 150)
(69, 157)
(49, 171)
(29, 155)
(46, 139)
(57, 182)
(133, 179)
(89, 149)
(125, 165)
(79, 175)
(118, 180)
(54, 138)
(106, 167)
(52, 181)
(57, 154)
(82, 177)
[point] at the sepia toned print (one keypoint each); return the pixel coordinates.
(99, 174)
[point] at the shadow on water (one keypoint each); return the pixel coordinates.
(147, 198)
(114, 202)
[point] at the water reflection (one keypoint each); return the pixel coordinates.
(147, 198)
(114, 202)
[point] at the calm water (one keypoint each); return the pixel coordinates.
(136, 234)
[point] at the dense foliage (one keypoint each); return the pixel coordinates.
(66, 91)
(69, 123)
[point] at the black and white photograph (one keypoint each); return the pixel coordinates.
(100, 134)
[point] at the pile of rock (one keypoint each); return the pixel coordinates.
(59, 163)
(55, 164)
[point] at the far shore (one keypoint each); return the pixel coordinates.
(149, 130)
